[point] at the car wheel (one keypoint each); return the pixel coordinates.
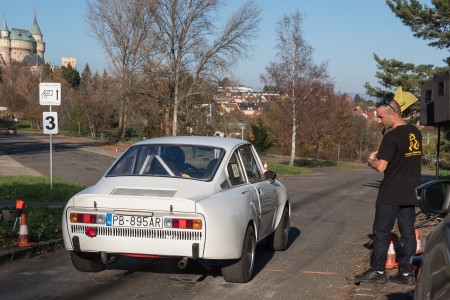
(278, 240)
(86, 261)
(242, 269)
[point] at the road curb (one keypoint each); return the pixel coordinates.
(22, 252)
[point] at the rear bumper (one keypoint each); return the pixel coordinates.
(194, 254)
(134, 240)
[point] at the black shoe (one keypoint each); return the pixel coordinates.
(372, 276)
(402, 279)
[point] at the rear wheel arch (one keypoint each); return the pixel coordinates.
(241, 270)
(279, 239)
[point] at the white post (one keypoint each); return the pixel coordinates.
(51, 158)
(339, 153)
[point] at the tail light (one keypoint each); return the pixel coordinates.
(87, 218)
(183, 223)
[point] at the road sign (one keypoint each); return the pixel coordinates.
(50, 122)
(49, 93)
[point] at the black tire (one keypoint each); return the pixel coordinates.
(278, 240)
(87, 262)
(241, 271)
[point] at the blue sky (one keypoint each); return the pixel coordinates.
(344, 33)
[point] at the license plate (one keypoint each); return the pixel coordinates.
(133, 221)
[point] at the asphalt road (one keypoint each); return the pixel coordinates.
(332, 213)
(71, 160)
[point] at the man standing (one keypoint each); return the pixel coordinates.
(399, 157)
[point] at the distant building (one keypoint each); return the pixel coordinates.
(20, 44)
(66, 60)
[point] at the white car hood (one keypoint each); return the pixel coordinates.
(144, 193)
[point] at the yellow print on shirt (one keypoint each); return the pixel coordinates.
(414, 146)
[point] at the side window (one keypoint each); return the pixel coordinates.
(254, 174)
(234, 170)
(126, 165)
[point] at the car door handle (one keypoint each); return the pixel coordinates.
(259, 192)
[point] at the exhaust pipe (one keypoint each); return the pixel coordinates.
(104, 257)
(182, 264)
(108, 258)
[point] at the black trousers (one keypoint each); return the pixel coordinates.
(385, 216)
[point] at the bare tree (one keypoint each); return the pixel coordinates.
(19, 90)
(294, 73)
(121, 27)
(185, 48)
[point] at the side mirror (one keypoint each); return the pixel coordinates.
(270, 175)
(434, 196)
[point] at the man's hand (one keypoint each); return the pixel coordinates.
(379, 165)
(372, 158)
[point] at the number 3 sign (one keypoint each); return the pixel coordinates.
(50, 122)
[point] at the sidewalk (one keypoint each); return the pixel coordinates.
(11, 167)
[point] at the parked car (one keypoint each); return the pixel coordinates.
(193, 198)
(433, 279)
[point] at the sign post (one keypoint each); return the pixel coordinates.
(50, 94)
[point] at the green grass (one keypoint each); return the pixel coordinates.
(319, 163)
(36, 188)
(280, 168)
(44, 223)
(444, 174)
(12, 124)
(303, 166)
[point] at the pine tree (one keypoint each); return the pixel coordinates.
(71, 75)
(262, 140)
(393, 73)
(428, 23)
(86, 79)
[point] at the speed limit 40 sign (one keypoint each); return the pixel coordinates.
(50, 123)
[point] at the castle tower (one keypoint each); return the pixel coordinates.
(37, 35)
(4, 32)
(5, 44)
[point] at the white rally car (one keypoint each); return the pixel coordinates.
(200, 198)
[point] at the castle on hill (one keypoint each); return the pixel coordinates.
(22, 45)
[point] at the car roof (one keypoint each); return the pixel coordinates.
(220, 142)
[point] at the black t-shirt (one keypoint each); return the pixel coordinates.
(402, 149)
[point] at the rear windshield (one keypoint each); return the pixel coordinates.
(185, 161)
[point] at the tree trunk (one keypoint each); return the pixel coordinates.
(176, 99)
(293, 140)
(316, 150)
(121, 120)
(124, 118)
(175, 113)
(91, 125)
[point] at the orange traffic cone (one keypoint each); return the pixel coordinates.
(23, 232)
(419, 246)
(391, 260)
(265, 166)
